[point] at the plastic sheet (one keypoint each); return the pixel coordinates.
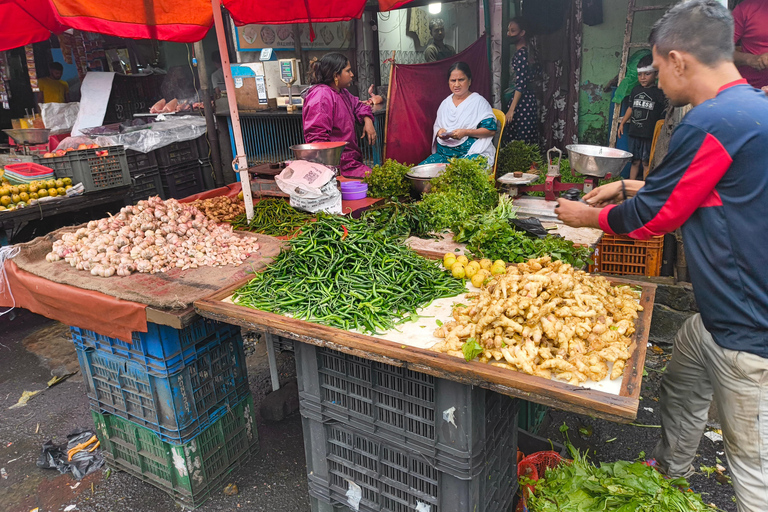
(164, 133)
(86, 457)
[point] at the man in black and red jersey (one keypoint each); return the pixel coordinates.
(714, 183)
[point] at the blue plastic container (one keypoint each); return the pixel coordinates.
(177, 406)
(162, 348)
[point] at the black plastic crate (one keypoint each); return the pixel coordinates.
(146, 183)
(177, 153)
(182, 180)
(138, 161)
(441, 419)
(203, 149)
(344, 464)
(97, 169)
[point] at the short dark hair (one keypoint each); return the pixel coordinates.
(645, 62)
(703, 28)
(461, 66)
(55, 65)
(325, 70)
(435, 22)
(521, 23)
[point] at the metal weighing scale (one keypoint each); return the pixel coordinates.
(27, 137)
(595, 163)
(288, 75)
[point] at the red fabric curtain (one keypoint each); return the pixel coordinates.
(415, 95)
(245, 12)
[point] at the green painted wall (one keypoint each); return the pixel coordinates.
(600, 63)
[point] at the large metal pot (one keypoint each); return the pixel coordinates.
(421, 176)
(597, 160)
(29, 136)
(326, 153)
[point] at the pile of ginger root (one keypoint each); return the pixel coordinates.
(547, 319)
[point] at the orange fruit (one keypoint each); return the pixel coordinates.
(24, 196)
(23, 188)
(33, 195)
(5, 191)
(52, 192)
(59, 183)
(14, 190)
(67, 181)
(15, 198)
(33, 188)
(43, 192)
(5, 200)
(61, 191)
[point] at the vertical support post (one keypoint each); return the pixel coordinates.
(272, 361)
(389, 95)
(240, 163)
(210, 124)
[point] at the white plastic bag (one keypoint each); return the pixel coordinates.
(311, 187)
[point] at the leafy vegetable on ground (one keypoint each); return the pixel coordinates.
(504, 211)
(580, 486)
(388, 180)
(274, 217)
(463, 190)
(340, 272)
(517, 156)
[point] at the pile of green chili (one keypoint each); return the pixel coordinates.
(274, 217)
(342, 273)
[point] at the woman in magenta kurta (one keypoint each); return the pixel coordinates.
(330, 112)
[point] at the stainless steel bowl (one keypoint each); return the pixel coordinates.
(326, 153)
(421, 176)
(29, 136)
(597, 160)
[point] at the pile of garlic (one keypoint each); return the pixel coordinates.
(152, 236)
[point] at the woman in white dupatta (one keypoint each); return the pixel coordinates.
(465, 123)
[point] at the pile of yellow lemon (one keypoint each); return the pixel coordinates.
(478, 271)
(18, 196)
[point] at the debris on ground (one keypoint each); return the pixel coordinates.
(80, 455)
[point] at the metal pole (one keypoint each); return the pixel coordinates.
(210, 124)
(240, 163)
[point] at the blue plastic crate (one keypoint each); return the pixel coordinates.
(162, 348)
(178, 406)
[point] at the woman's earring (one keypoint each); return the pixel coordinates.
(336, 81)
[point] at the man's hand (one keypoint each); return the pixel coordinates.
(369, 131)
(374, 99)
(577, 215)
(609, 193)
(621, 129)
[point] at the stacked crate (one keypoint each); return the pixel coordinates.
(181, 168)
(172, 407)
(384, 438)
(145, 175)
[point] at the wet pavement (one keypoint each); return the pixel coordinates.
(32, 349)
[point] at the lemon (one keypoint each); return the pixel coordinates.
(23, 196)
(486, 264)
(59, 183)
(470, 271)
(33, 188)
(67, 181)
(15, 198)
(23, 188)
(33, 195)
(61, 191)
(5, 200)
(14, 190)
(478, 280)
(500, 263)
(458, 270)
(43, 192)
(463, 260)
(5, 191)
(240, 196)
(449, 262)
(2, 208)
(52, 192)
(498, 270)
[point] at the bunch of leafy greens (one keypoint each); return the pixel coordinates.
(463, 190)
(498, 240)
(394, 218)
(388, 180)
(621, 486)
(517, 156)
(504, 211)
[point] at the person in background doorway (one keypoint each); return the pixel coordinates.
(646, 106)
(465, 123)
(217, 77)
(750, 35)
(437, 49)
(331, 111)
(52, 88)
(713, 183)
(523, 113)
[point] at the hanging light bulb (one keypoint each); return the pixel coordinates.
(435, 8)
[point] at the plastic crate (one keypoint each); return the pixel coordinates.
(344, 464)
(189, 472)
(183, 180)
(163, 349)
(93, 171)
(177, 153)
(146, 183)
(530, 416)
(616, 254)
(138, 161)
(178, 406)
(442, 419)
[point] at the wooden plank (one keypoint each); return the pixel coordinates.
(176, 318)
(620, 408)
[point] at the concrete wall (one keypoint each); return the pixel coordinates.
(602, 46)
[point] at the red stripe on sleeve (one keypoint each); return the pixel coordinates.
(713, 199)
(697, 184)
(603, 219)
